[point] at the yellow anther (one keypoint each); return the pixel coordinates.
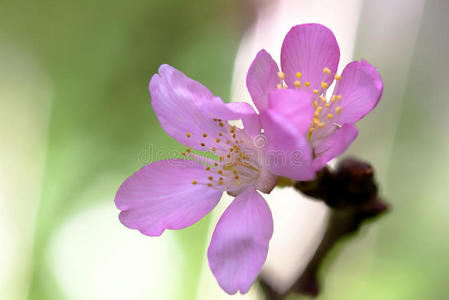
(298, 83)
(231, 149)
(209, 184)
(216, 164)
(234, 172)
(333, 98)
(327, 71)
(188, 134)
(279, 86)
(194, 182)
(183, 153)
(217, 140)
(298, 75)
(328, 104)
(233, 135)
(321, 125)
(316, 121)
(323, 98)
(221, 178)
(315, 91)
(228, 156)
(337, 77)
(214, 149)
(221, 124)
(236, 177)
(208, 169)
(319, 108)
(281, 75)
(210, 178)
(315, 103)
(204, 134)
(220, 172)
(316, 114)
(203, 144)
(220, 134)
(284, 86)
(338, 97)
(188, 150)
(330, 116)
(338, 109)
(307, 83)
(221, 158)
(324, 85)
(220, 183)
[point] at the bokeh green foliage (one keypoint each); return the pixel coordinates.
(100, 56)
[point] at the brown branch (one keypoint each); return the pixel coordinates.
(351, 193)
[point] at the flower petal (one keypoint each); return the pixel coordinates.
(294, 105)
(287, 152)
(239, 244)
(184, 107)
(333, 145)
(262, 78)
(361, 88)
(161, 196)
(308, 49)
(235, 111)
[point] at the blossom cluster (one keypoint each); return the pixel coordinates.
(298, 128)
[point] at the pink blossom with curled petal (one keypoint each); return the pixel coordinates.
(309, 61)
(174, 194)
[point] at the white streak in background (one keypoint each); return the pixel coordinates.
(298, 222)
(93, 256)
(386, 38)
(25, 97)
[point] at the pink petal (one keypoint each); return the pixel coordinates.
(309, 48)
(287, 152)
(333, 145)
(186, 109)
(161, 196)
(361, 88)
(235, 111)
(262, 78)
(294, 105)
(239, 244)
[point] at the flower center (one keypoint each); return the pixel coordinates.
(326, 111)
(236, 162)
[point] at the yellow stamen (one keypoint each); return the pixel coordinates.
(337, 77)
(298, 75)
(315, 91)
(281, 75)
(338, 109)
(338, 97)
(188, 134)
(330, 116)
(315, 103)
(194, 182)
(204, 134)
(307, 83)
(324, 85)
(327, 71)
(279, 86)
(298, 83)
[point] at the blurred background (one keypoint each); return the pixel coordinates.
(76, 120)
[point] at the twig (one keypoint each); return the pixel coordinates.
(351, 193)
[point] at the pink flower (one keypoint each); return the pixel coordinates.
(309, 61)
(174, 194)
